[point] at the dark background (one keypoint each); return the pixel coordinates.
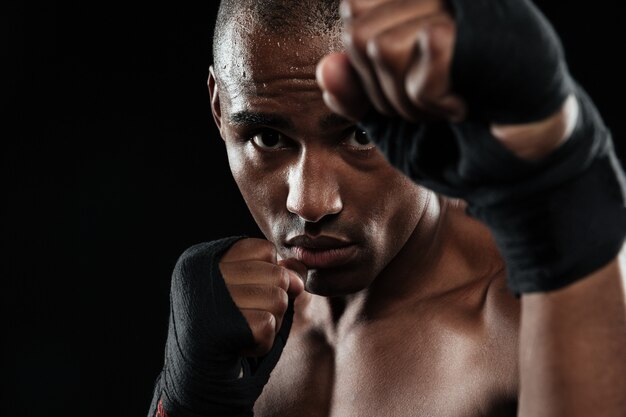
(111, 165)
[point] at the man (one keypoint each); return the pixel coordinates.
(393, 298)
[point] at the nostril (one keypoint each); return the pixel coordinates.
(314, 206)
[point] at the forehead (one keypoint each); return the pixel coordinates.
(255, 62)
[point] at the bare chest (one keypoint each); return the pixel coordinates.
(398, 369)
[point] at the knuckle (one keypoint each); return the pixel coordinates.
(357, 36)
(248, 249)
(228, 273)
(380, 49)
(262, 246)
(241, 246)
(418, 79)
(265, 330)
(439, 40)
(267, 247)
(440, 34)
(281, 300)
(282, 277)
(253, 242)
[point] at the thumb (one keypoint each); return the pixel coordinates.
(297, 281)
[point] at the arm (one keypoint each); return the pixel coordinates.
(573, 348)
(559, 221)
(230, 315)
(573, 340)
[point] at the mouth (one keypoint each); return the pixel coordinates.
(322, 252)
(324, 258)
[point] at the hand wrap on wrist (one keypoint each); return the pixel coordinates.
(206, 333)
(555, 220)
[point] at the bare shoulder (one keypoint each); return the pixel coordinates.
(499, 307)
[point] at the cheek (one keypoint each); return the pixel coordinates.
(263, 190)
(394, 213)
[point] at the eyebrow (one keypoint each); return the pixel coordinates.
(247, 118)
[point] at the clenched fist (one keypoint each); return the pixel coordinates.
(489, 61)
(261, 287)
(473, 99)
(398, 59)
(231, 312)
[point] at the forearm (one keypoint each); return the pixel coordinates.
(573, 348)
(573, 341)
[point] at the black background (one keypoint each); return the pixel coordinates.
(111, 165)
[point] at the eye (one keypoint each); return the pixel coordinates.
(269, 140)
(358, 139)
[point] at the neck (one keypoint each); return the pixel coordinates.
(447, 251)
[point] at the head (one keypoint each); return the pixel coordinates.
(314, 183)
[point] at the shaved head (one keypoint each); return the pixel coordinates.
(288, 18)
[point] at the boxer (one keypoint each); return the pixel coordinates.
(443, 213)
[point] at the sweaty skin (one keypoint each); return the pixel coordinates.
(405, 311)
(572, 341)
(402, 326)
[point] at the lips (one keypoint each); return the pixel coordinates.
(322, 251)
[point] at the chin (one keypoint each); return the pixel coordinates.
(335, 283)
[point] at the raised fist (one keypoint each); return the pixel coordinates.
(496, 61)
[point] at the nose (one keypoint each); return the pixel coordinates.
(313, 188)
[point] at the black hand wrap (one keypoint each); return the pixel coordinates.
(555, 220)
(206, 333)
(508, 62)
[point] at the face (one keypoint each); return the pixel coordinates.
(316, 186)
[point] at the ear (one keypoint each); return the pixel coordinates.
(216, 108)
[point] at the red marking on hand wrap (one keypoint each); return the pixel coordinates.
(160, 411)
